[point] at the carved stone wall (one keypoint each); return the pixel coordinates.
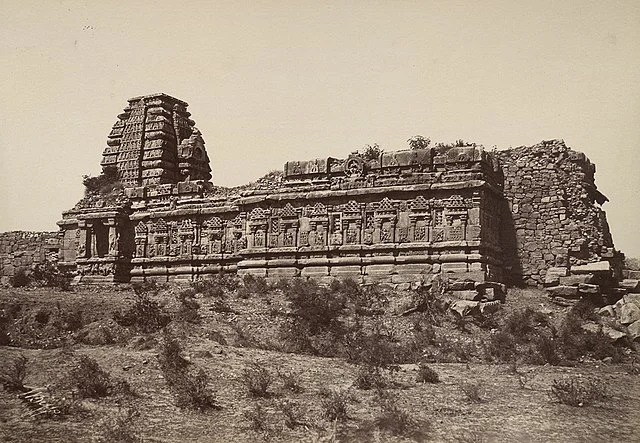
(154, 141)
(556, 213)
(20, 249)
(400, 217)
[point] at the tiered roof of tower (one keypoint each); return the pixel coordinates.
(155, 142)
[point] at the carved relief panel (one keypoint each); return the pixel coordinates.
(140, 240)
(456, 216)
(161, 237)
(186, 236)
(212, 236)
(420, 219)
(352, 223)
(385, 222)
(318, 226)
(258, 226)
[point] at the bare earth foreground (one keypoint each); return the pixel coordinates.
(510, 406)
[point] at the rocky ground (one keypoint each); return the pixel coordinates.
(491, 387)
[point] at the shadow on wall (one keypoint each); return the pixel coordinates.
(509, 242)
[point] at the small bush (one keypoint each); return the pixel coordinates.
(394, 420)
(419, 142)
(188, 310)
(585, 309)
(335, 407)
(546, 348)
(575, 342)
(216, 286)
(293, 413)
(291, 381)
(430, 301)
(105, 183)
(90, 380)
(20, 278)
(48, 274)
(378, 348)
(427, 374)
(13, 373)
(522, 324)
(145, 315)
(578, 392)
(257, 379)
(189, 390)
(472, 391)
(283, 284)
(170, 356)
(370, 377)
(192, 391)
(315, 307)
(120, 428)
(253, 285)
(502, 346)
(258, 419)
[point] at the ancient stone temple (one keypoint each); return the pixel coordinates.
(396, 217)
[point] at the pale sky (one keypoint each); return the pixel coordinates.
(272, 81)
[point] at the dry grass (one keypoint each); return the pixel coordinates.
(436, 412)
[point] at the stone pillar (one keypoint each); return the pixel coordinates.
(113, 237)
(93, 241)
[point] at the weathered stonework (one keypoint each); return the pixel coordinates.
(556, 211)
(401, 217)
(21, 250)
(155, 142)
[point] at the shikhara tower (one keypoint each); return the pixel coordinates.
(155, 142)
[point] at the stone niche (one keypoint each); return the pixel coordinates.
(400, 217)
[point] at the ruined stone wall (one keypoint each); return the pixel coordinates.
(20, 249)
(554, 216)
(401, 217)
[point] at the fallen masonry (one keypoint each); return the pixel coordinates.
(527, 215)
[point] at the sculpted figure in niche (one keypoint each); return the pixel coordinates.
(368, 236)
(354, 167)
(82, 248)
(304, 239)
(421, 233)
(288, 239)
(336, 238)
(385, 235)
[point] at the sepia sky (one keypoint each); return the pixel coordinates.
(271, 81)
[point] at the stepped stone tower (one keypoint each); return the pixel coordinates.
(155, 142)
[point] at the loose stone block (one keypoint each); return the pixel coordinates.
(586, 288)
(633, 330)
(592, 268)
(557, 271)
(573, 280)
(563, 291)
(462, 285)
(629, 313)
(631, 285)
(466, 295)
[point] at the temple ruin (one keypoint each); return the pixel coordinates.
(397, 217)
